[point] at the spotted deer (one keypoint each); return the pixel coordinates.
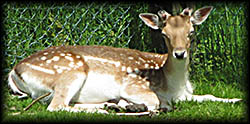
(85, 77)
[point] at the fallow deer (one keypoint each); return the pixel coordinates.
(89, 76)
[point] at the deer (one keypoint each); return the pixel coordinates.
(85, 78)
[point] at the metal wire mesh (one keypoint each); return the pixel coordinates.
(219, 46)
(33, 27)
(221, 43)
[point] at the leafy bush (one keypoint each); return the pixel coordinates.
(221, 44)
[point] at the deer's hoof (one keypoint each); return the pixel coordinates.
(136, 108)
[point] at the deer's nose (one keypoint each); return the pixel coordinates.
(180, 54)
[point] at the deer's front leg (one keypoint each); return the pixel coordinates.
(139, 92)
(208, 97)
(66, 87)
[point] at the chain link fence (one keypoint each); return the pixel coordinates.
(220, 43)
(33, 27)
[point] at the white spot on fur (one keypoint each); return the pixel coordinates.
(69, 58)
(123, 68)
(157, 67)
(117, 64)
(130, 57)
(129, 69)
(59, 70)
(136, 70)
(43, 58)
(101, 60)
(38, 68)
(142, 59)
(132, 75)
(48, 61)
(139, 77)
(46, 53)
(146, 65)
(137, 62)
(79, 63)
(78, 57)
(68, 54)
(56, 66)
(71, 64)
(62, 54)
(55, 58)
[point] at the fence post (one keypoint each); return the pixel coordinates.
(156, 38)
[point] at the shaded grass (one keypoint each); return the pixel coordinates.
(185, 111)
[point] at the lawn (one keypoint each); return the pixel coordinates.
(184, 112)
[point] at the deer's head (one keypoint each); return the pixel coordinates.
(176, 30)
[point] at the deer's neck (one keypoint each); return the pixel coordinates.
(172, 76)
(176, 73)
(175, 66)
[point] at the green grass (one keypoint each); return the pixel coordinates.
(185, 111)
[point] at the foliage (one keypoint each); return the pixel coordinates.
(220, 48)
(36, 26)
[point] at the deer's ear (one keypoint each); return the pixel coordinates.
(163, 18)
(150, 20)
(163, 15)
(201, 15)
(187, 11)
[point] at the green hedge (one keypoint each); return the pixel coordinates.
(221, 44)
